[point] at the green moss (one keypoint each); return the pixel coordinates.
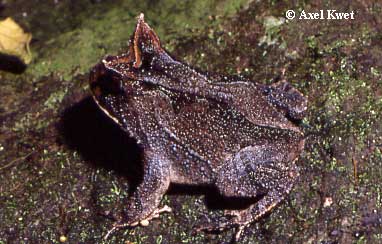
(75, 52)
(272, 26)
(55, 99)
(335, 65)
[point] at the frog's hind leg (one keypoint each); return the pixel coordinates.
(280, 189)
(250, 172)
(256, 170)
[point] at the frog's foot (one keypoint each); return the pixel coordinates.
(240, 220)
(218, 226)
(225, 222)
(143, 222)
(231, 219)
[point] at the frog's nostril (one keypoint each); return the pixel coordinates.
(95, 73)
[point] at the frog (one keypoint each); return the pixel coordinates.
(196, 128)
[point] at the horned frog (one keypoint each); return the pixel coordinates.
(238, 136)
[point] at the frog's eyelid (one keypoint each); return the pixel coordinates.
(143, 31)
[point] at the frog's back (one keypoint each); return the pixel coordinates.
(204, 133)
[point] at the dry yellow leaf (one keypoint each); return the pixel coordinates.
(14, 41)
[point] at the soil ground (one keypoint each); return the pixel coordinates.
(64, 166)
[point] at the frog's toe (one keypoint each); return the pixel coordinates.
(119, 225)
(239, 231)
(142, 222)
(232, 213)
(213, 227)
(158, 211)
(146, 221)
(239, 221)
(219, 225)
(115, 227)
(154, 215)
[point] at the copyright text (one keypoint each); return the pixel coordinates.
(329, 14)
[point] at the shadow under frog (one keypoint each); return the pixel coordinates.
(233, 135)
(99, 141)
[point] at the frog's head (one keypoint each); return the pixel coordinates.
(114, 73)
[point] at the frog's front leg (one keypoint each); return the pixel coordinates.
(142, 206)
(156, 180)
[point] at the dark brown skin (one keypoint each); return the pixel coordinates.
(232, 134)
